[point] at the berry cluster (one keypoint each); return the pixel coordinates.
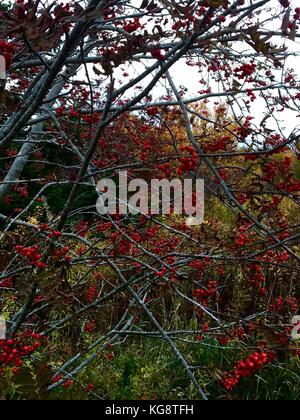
(12, 352)
(110, 356)
(67, 384)
(132, 26)
(23, 191)
(62, 253)
(204, 295)
(246, 368)
(60, 110)
(162, 272)
(245, 70)
(21, 9)
(32, 254)
(257, 278)
(279, 305)
(188, 163)
(54, 234)
(91, 293)
(297, 13)
(8, 282)
(152, 111)
(156, 53)
(90, 326)
(292, 304)
(241, 238)
(245, 129)
(165, 168)
(221, 143)
(51, 233)
(270, 170)
(251, 94)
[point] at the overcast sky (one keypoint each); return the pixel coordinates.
(189, 77)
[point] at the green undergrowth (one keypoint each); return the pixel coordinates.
(147, 369)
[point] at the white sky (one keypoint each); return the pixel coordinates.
(189, 77)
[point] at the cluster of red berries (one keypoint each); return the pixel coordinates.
(90, 387)
(270, 170)
(203, 295)
(197, 265)
(110, 356)
(32, 254)
(51, 233)
(229, 381)
(91, 293)
(23, 192)
(257, 278)
(62, 253)
(152, 111)
(90, 326)
(60, 110)
(291, 185)
(156, 53)
(21, 9)
(223, 340)
(8, 282)
(104, 227)
(251, 95)
(241, 239)
(103, 143)
(218, 144)
(246, 368)
(188, 163)
(162, 272)
(54, 234)
(73, 113)
(254, 362)
(244, 130)
(215, 65)
(297, 13)
(292, 304)
(178, 25)
(57, 378)
(238, 333)
(242, 198)
(12, 352)
(126, 246)
(286, 164)
(67, 384)
(165, 168)
(223, 174)
(245, 70)
(274, 141)
(132, 26)
(82, 228)
(279, 303)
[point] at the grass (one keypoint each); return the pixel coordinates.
(146, 369)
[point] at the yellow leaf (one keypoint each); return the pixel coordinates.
(216, 3)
